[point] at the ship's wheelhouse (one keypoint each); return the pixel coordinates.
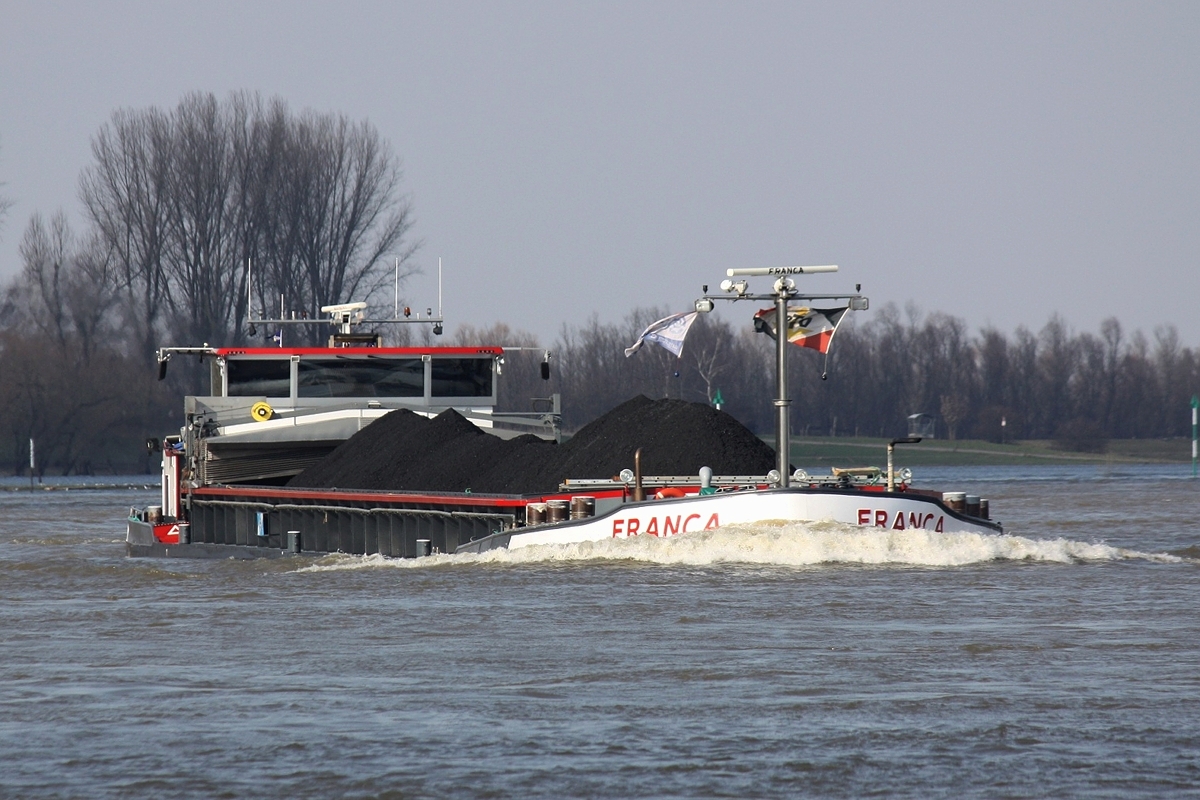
(272, 412)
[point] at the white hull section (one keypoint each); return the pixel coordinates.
(674, 516)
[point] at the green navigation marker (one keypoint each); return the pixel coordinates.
(718, 401)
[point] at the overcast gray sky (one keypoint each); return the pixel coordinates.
(996, 161)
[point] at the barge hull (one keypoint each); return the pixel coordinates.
(249, 522)
(262, 524)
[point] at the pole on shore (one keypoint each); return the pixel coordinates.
(33, 463)
(1195, 406)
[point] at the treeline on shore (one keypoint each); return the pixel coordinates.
(1078, 389)
(202, 217)
(89, 398)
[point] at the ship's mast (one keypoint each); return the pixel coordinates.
(783, 404)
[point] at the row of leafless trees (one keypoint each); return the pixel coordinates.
(1077, 388)
(89, 405)
(221, 210)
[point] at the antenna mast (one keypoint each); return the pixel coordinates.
(784, 290)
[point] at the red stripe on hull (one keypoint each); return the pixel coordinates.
(456, 499)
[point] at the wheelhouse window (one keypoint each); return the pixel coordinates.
(461, 377)
(258, 377)
(360, 376)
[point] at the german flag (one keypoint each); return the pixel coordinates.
(807, 327)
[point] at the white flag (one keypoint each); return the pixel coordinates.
(668, 333)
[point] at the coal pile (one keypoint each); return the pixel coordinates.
(676, 437)
(405, 451)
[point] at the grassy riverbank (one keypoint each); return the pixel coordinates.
(826, 451)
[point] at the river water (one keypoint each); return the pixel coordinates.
(1060, 660)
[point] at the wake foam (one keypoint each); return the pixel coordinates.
(789, 545)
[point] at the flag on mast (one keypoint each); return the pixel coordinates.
(806, 327)
(668, 333)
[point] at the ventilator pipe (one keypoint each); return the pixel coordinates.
(891, 484)
(638, 492)
(891, 480)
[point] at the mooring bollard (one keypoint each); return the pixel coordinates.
(293, 541)
(423, 548)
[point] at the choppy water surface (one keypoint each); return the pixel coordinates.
(1062, 660)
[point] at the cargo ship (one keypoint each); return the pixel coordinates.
(273, 412)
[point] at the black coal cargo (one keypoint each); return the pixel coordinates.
(405, 451)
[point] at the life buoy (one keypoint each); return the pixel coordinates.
(668, 491)
(261, 412)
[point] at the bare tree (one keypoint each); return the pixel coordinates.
(707, 351)
(954, 410)
(202, 254)
(125, 195)
(196, 202)
(67, 287)
(350, 216)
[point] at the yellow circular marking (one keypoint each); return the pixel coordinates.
(261, 412)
